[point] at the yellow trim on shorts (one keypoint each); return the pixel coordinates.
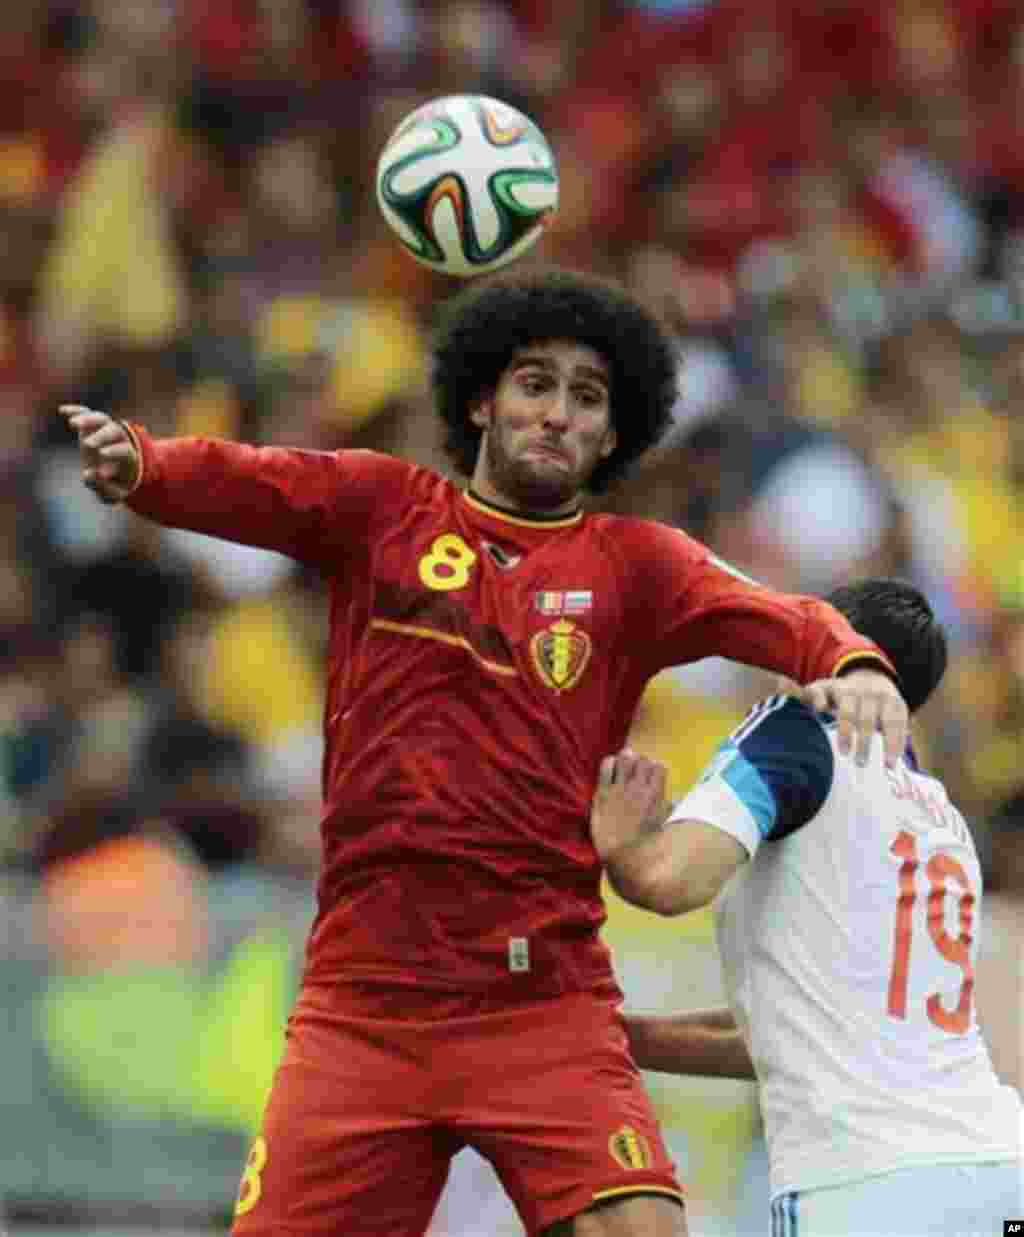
(622, 1190)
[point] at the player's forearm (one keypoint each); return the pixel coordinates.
(641, 872)
(679, 868)
(704, 1042)
(800, 637)
(269, 497)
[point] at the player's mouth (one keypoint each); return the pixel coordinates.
(548, 452)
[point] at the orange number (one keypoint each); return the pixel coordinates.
(939, 869)
(905, 848)
(956, 950)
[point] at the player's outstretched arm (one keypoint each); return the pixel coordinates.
(109, 457)
(665, 870)
(703, 1041)
(701, 608)
(315, 506)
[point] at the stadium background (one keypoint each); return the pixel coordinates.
(825, 198)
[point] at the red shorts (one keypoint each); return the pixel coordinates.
(366, 1113)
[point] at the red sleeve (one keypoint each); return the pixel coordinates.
(310, 505)
(702, 608)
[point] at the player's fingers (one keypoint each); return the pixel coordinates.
(626, 767)
(102, 480)
(105, 435)
(646, 772)
(118, 455)
(658, 781)
(865, 727)
(606, 773)
(86, 423)
(72, 410)
(815, 695)
(848, 711)
(894, 723)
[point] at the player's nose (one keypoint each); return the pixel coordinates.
(556, 411)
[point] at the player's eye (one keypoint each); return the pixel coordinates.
(535, 383)
(590, 397)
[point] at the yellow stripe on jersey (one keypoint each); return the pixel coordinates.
(428, 633)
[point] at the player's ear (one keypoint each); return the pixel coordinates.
(480, 413)
(610, 442)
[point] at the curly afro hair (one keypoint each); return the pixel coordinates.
(482, 328)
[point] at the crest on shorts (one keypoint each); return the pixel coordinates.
(629, 1149)
(560, 654)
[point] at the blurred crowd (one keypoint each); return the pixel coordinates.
(823, 198)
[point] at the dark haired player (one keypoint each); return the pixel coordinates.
(849, 945)
(487, 648)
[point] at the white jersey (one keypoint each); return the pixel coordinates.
(848, 949)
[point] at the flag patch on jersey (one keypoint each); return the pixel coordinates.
(558, 602)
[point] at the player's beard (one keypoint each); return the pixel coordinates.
(527, 482)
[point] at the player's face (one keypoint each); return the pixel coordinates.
(546, 427)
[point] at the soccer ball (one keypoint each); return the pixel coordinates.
(467, 183)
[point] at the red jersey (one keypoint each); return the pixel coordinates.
(481, 664)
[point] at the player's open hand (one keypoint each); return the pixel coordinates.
(110, 462)
(629, 801)
(864, 702)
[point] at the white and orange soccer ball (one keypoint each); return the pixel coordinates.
(467, 183)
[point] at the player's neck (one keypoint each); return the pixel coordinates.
(485, 492)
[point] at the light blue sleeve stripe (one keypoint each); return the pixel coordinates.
(752, 790)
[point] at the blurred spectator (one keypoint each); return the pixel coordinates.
(96, 722)
(43, 132)
(989, 687)
(122, 903)
(937, 431)
(197, 775)
(1000, 973)
(135, 978)
(141, 588)
(113, 275)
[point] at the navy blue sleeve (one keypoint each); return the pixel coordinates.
(783, 765)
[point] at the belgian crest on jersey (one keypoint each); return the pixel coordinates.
(560, 654)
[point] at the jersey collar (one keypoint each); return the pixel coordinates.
(507, 515)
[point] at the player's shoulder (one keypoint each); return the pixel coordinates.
(907, 782)
(779, 762)
(651, 540)
(784, 720)
(390, 473)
